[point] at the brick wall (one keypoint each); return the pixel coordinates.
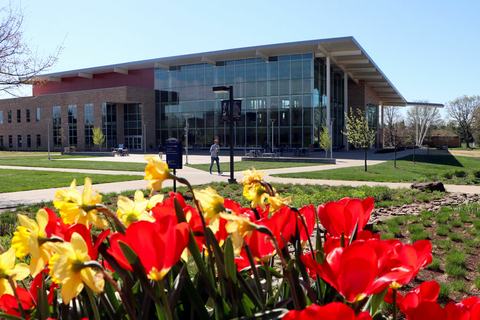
(80, 98)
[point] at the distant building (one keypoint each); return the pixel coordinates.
(440, 138)
(290, 89)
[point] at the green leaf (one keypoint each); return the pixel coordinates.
(354, 234)
(377, 300)
(230, 267)
(195, 299)
(9, 317)
(128, 252)
(272, 271)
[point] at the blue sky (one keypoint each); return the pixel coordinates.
(430, 50)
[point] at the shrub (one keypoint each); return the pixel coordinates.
(419, 236)
(456, 257)
(425, 215)
(476, 224)
(444, 291)
(455, 270)
(435, 265)
(476, 173)
(455, 237)
(442, 217)
(427, 223)
(444, 244)
(448, 175)
(415, 228)
(460, 173)
(476, 282)
(456, 223)
(459, 285)
(442, 230)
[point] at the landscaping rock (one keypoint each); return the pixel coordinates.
(433, 186)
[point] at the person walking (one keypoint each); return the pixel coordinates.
(214, 150)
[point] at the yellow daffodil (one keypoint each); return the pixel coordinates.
(130, 211)
(238, 227)
(152, 202)
(212, 206)
(252, 177)
(277, 202)
(257, 195)
(76, 207)
(156, 171)
(29, 238)
(67, 267)
(8, 269)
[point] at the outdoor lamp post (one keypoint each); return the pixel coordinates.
(229, 89)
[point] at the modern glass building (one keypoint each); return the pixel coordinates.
(289, 93)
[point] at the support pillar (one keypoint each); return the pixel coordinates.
(345, 109)
(329, 96)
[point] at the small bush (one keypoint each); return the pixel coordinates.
(415, 228)
(426, 215)
(456, 223)
(476, 224)
(476, 282)
(459, 286)
(455, 270)
(388, 235)
(455, 237)
(444, 244)
(460, 173)
(427, 223)
(435, 265)
(419, 236)
(444, 291)
(458, 258)
(442, 217)
(476, 173)
(448, 175)
(442, 230)
(471, 242)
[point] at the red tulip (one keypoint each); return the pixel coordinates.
(331, 311)
(158, 245)
(427, 291)
(465, 310)
(342, 216)
(308, 213)
(428, 310)
(405, 260)
(282, 226)
(352, 270)
(335, 242)
(82, 230)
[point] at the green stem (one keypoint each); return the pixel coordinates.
(269, 279)
(166, 305)
(14, 288)
(394, 304)
(96, 314)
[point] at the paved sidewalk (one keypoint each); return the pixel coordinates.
(196, 177)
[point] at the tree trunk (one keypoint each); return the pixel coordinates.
(395, 157)
(365, 150)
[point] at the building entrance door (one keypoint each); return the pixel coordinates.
(133, 142)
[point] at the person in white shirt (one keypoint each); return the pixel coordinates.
(214, 150)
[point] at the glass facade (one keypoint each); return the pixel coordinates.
(109, 124)
(132, 119)
(285, 95)
(88, 125)
(72, 126)
(57, 127)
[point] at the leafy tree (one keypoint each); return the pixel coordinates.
(19, 64)
(465, 112)
(420, 119)
(325, 140)
(358, 132)
(98, 137)
(392, 119)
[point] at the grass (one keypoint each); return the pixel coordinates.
(426, 168)
(21, 180)
(248, 165)
(56, 162)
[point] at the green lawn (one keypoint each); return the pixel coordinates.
(42, 161)
(21, 180)
(246, 165)
(445, 168)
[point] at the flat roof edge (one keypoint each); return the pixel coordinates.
(425, 104)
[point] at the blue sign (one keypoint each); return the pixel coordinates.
(174, 152)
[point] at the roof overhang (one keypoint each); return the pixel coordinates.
(345, 53)
(425, 104)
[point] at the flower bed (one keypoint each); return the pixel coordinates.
(157, 258)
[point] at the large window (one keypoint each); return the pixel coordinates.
(29, 141)
(58, 134)
(38, 115)
(19, 116)
(186, 96)
(39, 141)
(132, 119)
(19, 141)
(27, 116)
(10, 142)
(9, 116)
(109, 124)
(88, 125)
(1, 141)
(72, 125)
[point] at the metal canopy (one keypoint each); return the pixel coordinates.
(345, 53)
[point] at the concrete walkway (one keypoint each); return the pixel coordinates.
(196, 177)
